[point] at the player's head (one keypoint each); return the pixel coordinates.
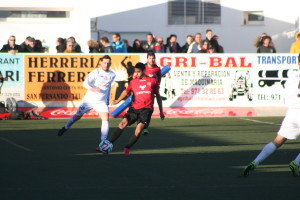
(105, 62)
(150, 58)
(139, 70)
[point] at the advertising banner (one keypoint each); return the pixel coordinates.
(11, 77)
(196, 85)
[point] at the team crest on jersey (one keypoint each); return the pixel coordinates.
(149, 83)
(142, 87)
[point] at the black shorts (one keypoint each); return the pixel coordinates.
(139, 115)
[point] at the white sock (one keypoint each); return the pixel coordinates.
(265, 152)
(71, 121)
(104, 130)
(297, 160)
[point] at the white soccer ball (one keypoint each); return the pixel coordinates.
(106, 146)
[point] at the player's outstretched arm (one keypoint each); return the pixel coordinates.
(159, 102)
(121, 97)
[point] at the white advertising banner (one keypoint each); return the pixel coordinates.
(226, 80)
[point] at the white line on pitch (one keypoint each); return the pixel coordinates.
(260, 122)
(15, 144)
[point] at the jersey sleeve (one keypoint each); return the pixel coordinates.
(89, 82)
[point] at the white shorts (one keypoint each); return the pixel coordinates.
(290, 127)
(85, 107)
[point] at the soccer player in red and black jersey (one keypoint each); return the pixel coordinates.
(152, 70)
(144, 90)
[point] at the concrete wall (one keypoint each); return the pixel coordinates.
(78, 25)
(152, 16)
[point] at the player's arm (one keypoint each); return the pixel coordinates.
(159, 102)
(89, 83)
(121, 97)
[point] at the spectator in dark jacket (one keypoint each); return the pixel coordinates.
(11, 45)
(107, 47)
(61, 44)
(137, 46)
(172, 45)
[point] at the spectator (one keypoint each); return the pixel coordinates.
(61, 45)
(196, 45)
(94, 46)
(38, 46)
(189, 41)
(159, 46)
(70, 48)
(204, 46)
(149, 45)
(106, 45)
(76, 46)
(221, 49)
(128, 47)
(31, 46)
(212, 42)
(25, 44)
(137, 46)
(11, 45)
(258, 41)
(118, 44)
(211, 49)
(295, 47)
(172, 45)
(266, 47)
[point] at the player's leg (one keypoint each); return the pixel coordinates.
(143, 120)
(117, 133)
(103, 112)
(129, 118)
(83, 108)
(294, 166)
(146, 131)
(265, 152)
(134, 138)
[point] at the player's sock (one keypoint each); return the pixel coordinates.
(132, 141)
(297, 160)
(71, 121)
(265, 152)
(115, 135)
(104, 130)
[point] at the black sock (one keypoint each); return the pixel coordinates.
(113, 137)
(132, 141)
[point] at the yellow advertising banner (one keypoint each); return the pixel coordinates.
(60, 77)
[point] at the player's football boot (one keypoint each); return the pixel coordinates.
(61, 131)
(294, 168)
(98, 149)
(249, 168)
(146, 131)
(126, 151)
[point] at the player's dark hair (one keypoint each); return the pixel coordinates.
(151, 53)
(299, 58)
(140, 66)
(105, 57)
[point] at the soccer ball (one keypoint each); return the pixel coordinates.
(106, 146)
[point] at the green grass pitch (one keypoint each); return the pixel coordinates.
(181, 158)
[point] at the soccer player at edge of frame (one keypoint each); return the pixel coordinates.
(127, 102)
(289, 129)
(144, 89)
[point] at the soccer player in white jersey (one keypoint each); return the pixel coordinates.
(290, 127)
(98, 84)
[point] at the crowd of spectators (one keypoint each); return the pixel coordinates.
(194, 44)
